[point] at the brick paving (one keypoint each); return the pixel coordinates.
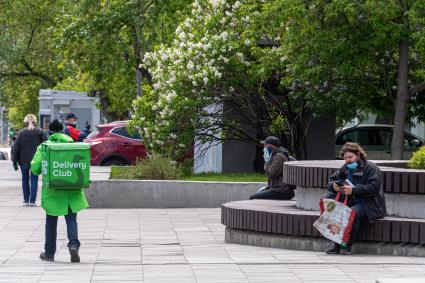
(166, 245)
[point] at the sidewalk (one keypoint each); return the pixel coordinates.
(165, 245)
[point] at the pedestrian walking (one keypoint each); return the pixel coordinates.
(22, 153)
(59, 202)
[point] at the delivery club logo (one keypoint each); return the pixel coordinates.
(64, 172)
(63, 169)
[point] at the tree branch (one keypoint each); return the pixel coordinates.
(46, 78)
(416, 88)
(14, 74)
(31, 37)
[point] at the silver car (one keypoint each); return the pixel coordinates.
(376, 141)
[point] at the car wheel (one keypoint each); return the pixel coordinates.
(114, 161)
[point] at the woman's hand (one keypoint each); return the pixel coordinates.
(346, 189)
(336, 187)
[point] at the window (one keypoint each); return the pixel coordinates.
(362, 136)
(122, 131)
(386, 137)
(117, 131)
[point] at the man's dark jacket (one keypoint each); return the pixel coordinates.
(274, 170)
(26, 144)
(367, 178)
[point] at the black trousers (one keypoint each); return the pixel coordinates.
(272, 194)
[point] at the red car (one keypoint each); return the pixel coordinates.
(111, 144)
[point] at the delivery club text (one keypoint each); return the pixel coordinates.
(59, 166)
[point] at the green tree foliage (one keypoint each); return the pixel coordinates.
(371, 48)
(106, 41)
(92, 45)
(418, 159)
(29, 59)
(277, 62)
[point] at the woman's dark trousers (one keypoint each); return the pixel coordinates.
(29, 184)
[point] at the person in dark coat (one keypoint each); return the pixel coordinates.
(274, 157)
(23, 151)
(365, 196)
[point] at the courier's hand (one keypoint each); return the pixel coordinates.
(336, 187)
(348, 190)
(15, 166)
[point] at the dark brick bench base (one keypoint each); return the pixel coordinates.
(268, 218)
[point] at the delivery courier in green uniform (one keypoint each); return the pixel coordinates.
(62, 194)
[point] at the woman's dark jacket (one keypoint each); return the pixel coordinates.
(368, 191)
(26, 144)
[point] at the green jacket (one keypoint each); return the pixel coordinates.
(56, 202)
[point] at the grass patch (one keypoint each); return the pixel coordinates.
(123, 172)
(158, 167)
(132, 172)
(217, 177)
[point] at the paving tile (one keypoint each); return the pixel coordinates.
(166, 245)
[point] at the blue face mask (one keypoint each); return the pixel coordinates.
(352, 166)
(266, 154)
(270, 149)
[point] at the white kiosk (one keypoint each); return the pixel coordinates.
(57, 103)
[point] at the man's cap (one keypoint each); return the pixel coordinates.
(55, 126)
(71, 115)
(271, 140)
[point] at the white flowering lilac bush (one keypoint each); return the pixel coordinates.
(240, 70)
(196, 71)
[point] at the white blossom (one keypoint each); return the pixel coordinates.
(224, 35)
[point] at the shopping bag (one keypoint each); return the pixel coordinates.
(336, 220)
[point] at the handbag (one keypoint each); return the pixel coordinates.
(336, 220)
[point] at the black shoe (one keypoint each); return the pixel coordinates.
(346, 250)
(335, 250)
(75, 257)
(44, 256)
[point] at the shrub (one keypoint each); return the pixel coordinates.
(418, 159)
(154, 167)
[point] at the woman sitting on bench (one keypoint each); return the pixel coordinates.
(365, 194)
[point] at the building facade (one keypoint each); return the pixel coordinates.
(57, 103)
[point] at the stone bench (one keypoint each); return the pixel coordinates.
(404, 188)
(262, 218)
(267, 222)
(283, 217)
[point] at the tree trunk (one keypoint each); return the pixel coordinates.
(105, 106)
(137, 53)
(298, 133)
(401, 102)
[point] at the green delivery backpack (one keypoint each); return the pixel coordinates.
(66, 165)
